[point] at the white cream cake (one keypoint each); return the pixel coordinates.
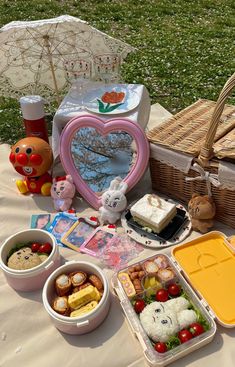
(154, 212)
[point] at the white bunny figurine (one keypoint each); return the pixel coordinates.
(113, 201)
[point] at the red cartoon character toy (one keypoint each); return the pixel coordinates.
(32, 157)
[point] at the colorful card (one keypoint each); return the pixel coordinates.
(78, 234)
(119, 251)
(95, 244)
(41, 221)
(61, 224)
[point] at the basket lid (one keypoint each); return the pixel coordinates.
(186, 131)
(209, 264)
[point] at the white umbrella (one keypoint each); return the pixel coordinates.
(34, 55)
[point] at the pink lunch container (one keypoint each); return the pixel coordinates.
(84, 323)
(34, 278)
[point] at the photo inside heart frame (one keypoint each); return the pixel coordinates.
(101, 158)
(95, 151)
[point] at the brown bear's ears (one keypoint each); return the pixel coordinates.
(207, 197)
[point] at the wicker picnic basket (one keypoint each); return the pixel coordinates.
(199, 131)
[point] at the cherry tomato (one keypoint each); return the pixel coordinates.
(45, 247)
(111, 226)
(162, 295)
(35, 246)
(139, 305)
(196, 329)
(160, 347)
(185, 335)
(174, 289)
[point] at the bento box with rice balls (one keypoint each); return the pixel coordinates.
(171, 302)
(28, 257)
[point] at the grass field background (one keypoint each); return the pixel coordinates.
(186, 49)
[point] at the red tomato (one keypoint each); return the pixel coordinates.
(35, 246)
(196, 329)
(139, 305)
(174, 289)
(160, 347)
(185, 335)
(162, 295)
(45, 247)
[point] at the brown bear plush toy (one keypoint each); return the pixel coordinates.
(202, 211)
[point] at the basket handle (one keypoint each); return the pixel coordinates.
(207, 150)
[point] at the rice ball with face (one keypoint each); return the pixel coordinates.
(164, 319)
(23, 259)
(158, 324)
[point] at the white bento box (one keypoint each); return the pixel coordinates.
(88, 321)
(34, 278)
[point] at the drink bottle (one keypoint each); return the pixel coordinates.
(32, 108)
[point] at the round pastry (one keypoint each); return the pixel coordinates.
(78, 278)
(165, 274)
(61, 306)
(23, 259)
(161, 261)
(63, 284)
(150, 266)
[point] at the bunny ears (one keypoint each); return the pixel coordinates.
(119, 185)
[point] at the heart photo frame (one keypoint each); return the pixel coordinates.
(94, 151)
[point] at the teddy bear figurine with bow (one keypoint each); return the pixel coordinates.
(202, 210)
(113, 201)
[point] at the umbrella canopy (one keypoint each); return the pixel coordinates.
(35, 55)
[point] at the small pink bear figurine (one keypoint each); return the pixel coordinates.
(62, 192)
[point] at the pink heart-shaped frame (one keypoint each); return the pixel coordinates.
(104, 128)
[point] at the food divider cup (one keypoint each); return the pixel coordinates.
(34, 278)
(87, 322)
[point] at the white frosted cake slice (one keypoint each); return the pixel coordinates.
(153, 212)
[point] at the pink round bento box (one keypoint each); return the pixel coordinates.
(34, 278)
(85, 323)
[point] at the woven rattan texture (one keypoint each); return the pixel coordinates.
(186, 130)
(171, 182)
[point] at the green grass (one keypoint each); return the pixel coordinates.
(185, 48)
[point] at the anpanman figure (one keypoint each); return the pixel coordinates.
(32, 157)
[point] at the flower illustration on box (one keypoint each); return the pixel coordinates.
(110, 101)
